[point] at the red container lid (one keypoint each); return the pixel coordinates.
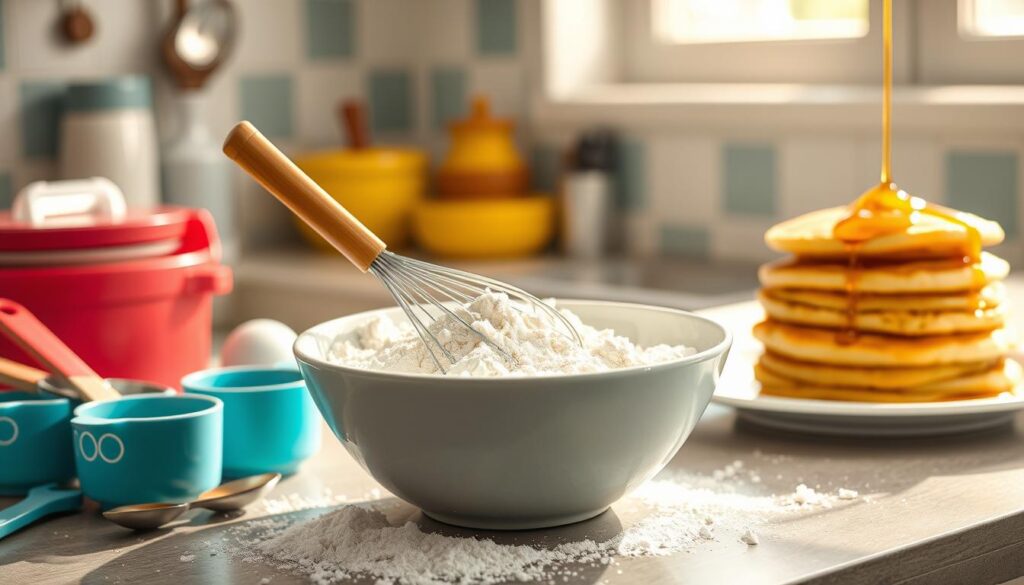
(137, 227)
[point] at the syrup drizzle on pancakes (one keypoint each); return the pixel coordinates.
(886, 209)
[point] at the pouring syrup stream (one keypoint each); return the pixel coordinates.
(885, 208)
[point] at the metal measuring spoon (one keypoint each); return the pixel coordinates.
(233, 495)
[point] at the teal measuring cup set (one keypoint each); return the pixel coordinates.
(142, 442)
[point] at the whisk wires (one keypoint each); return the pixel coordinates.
(418, 286)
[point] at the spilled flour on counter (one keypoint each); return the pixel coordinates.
(539, 345)
(671, 514)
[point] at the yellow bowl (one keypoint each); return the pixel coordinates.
(500, 228)
(380, 186)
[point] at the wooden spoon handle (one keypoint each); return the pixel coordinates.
(279, 175)
(20, 376)
(28, 333)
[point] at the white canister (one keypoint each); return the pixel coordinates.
(108, 131)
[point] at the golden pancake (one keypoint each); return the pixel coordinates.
(906, 323)
(876, 378)
(824, 346)
(926, 276)
(1002, 378)
(930, 237)
(989, 297)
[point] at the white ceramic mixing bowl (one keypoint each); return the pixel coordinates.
(520, 452)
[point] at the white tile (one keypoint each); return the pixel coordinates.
(35, 44)
(270, 35)
(815, 173)
(683, 179)
(390, 32)
(220, 109)
(319, 89)
(263, 221)
(128, 33)
(917, 166)
(504, 82)
(447, 25)
(741, 238)
(9, 111)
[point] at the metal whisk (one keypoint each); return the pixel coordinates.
(426, 292)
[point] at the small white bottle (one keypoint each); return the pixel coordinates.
(587, 197)
(108, 131)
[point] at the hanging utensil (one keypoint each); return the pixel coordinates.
(76, 22)
(199, 39)
(22, 327)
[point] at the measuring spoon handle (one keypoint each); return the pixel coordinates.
(28, 333)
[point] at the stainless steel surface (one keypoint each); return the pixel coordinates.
(237, 494)
(426, 292)
(227, 497)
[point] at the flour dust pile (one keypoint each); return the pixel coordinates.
(538, 345)
(665, 516)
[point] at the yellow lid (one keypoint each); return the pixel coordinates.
(480, 119)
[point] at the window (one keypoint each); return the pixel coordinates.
(820, 41)
(991, 18)
(701, 21)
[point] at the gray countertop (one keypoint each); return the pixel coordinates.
(936, 510)
(940, 510)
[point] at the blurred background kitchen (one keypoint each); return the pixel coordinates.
(672, 132)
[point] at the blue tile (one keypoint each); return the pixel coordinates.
(391, 101)
(985, 183)
(685, 240)
(3, 61)
(267, 103)
(749, 177)
(448, 94)
(631, 176)
(330, 28)
(6, 191)
(545, 168)
(41, 106)
(496, 27)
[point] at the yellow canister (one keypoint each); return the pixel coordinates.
(380, 186)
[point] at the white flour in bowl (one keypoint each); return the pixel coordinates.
(538, 345)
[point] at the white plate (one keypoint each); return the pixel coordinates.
(738, 389)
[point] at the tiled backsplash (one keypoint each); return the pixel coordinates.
(710, 193)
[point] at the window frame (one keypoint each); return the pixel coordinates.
(650, 60)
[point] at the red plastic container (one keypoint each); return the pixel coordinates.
(126, 312)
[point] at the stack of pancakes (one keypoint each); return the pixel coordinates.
(908, 318)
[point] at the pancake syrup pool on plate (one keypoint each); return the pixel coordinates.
(890, 299)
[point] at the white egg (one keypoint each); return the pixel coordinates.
(258, 342)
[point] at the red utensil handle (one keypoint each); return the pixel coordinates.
(28, 333)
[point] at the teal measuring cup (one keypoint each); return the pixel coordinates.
(148, 448)
(270, 422)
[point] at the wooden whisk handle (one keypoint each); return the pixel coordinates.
(271, 168)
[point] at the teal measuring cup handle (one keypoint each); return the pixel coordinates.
(40, 502)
